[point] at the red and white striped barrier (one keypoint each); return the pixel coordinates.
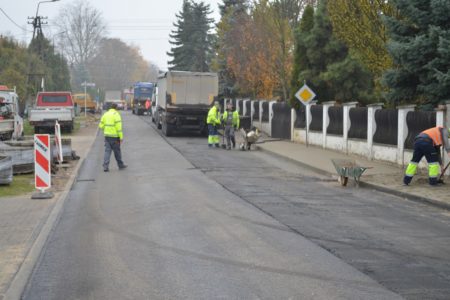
(42, 166)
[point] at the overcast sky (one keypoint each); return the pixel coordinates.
(145, 23)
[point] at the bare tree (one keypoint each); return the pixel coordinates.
(83, 28)
(118, 65)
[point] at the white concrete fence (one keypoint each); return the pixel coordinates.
(396, 154)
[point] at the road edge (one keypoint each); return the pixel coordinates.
(20, 280)
(364, 184)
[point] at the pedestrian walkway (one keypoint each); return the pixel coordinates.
(382, 176)
(22, 219)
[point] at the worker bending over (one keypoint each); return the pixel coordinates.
(428, 144)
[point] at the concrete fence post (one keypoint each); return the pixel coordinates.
(402, 133)
(308, 119)
(325, 121)
(260, 113)
(346, 122)
(293, 118)
(252, 109)
(271, 103)
(442, 115)
(371, 126)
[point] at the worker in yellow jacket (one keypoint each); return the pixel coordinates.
(111, 124)
(230, 120)
(213, 121)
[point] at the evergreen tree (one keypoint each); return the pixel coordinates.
(192, 42)
(300, 59)
(331, 69)
(231, 11)
(420, 47)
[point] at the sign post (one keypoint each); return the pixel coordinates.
(42, 166)
(86, 84)
(58, 143)
(305, 95)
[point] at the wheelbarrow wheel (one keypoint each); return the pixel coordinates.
(343, 180)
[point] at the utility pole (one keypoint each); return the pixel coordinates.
(37, 23)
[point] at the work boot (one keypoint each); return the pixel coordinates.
(105, 170)
(228, 147)
(217, 146)
(123, 167)
(407, 180)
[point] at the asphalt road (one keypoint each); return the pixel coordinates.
(187, 222)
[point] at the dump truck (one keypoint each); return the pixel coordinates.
(79, 101)
(11, 123)
(183, 100)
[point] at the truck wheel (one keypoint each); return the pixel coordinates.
(166, 129)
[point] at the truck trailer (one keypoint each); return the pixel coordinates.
(142, 91)
(183, 100)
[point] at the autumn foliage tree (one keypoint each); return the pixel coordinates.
(359, 24)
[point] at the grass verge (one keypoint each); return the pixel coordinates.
(21, 184)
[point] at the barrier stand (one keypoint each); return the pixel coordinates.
(42, 166)
(58, 143)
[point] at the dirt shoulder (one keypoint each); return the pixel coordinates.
(22, 219)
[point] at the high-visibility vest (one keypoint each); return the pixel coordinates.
(213, 116)
(111, 124)
(435, 135)
(235, 120)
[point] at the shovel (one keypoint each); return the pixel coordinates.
(223, 140)
(441, 178)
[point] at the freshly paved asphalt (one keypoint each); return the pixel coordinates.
(209, 224)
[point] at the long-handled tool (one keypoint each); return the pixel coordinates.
(223, 140)
(443, 172)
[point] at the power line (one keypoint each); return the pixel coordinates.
(13, 21)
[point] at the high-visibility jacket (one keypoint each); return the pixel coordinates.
(235, 120)
(213, 116)
(439, 136)
(111, 124)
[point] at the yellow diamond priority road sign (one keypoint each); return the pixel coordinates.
(305, 94)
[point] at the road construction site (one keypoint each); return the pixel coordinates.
(185, 221)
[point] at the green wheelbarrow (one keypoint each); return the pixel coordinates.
(348, 168)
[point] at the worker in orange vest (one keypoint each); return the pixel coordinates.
(148, 105)
(428, 144)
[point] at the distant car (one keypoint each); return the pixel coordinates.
(120, 104)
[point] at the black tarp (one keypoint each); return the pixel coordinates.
(358, 123)
(417, 122)
(316, 118)
(335, 113)
(300, 121)
(265, 112)
(256, 111)
(245, 122)
(387, 126)
(281, 121)
(248, 108)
